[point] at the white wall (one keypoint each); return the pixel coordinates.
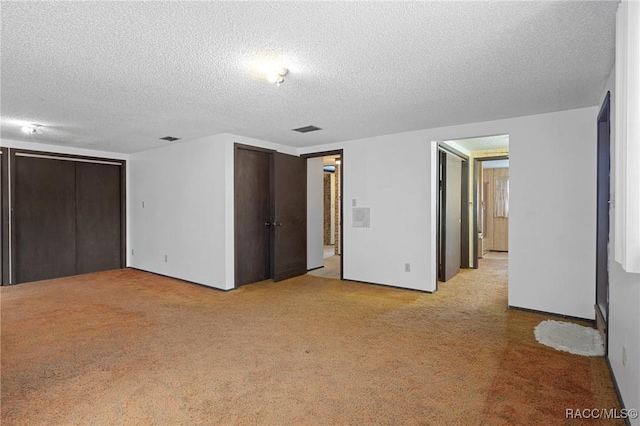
(315, 213)
(624, 300)
(552, 216)
(390, 175)
(188, 213)
(183, 189)
(627, 125)
(624, 332)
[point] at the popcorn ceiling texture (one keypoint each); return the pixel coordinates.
(487, 143)
(117, 76)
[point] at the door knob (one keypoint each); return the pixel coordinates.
(267, 224)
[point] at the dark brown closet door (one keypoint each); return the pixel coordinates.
(44, 217)
(290, 233)
(98, 226)
(252, 215)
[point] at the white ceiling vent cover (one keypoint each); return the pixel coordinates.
(307, 129)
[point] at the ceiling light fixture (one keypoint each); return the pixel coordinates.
(29, 129)
(277, 76)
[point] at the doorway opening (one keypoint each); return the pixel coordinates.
(324, 207)
(453, 237)
(4, 218)
(473, 203)
(492, 218)
(602, 214)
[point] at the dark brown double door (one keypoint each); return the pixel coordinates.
(270, 215)
(67, 217)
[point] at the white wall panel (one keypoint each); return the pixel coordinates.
(552, 218)
(624, 294)
(177, 210)
(188, 213)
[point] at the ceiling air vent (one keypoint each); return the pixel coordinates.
(306, 129)
(170, 138)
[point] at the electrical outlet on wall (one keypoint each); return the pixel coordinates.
(407, 267)
(166, 258)
(624, 356)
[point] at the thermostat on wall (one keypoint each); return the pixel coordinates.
(361, 217)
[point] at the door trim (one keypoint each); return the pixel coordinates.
(339, 152)
(465, 262)
(444, 154)
(464, 216)
(4, 221)
(604, 116)
(76, 159)
(476, 190)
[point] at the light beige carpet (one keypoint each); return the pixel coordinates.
(131, 348)
(330, 269)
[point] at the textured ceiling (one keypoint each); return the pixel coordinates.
(117, 76)
(487, 143)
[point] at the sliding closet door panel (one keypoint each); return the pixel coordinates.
(44, 219)
(98, 226)
(290, 240)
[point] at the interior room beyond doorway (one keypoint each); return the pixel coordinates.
(331, 218)
(486, 224)
(493, 209)
(331, 264)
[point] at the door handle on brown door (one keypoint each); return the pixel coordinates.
(267, 224)
(277, 223)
